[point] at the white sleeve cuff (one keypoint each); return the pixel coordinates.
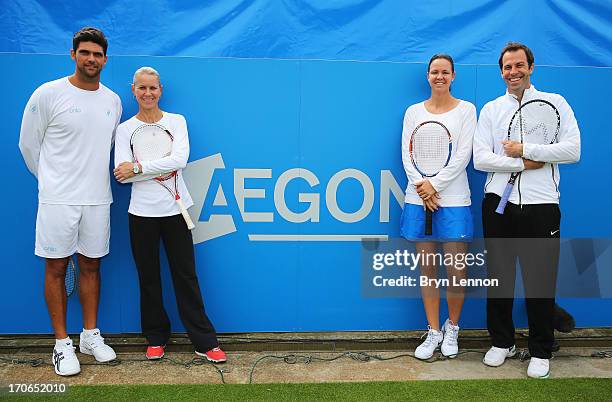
(528, 151)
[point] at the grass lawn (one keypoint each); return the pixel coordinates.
(564, 389)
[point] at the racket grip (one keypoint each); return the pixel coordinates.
(185, 214)
(504, 199)
(428, 222)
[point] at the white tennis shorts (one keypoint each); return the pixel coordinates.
(62, 230)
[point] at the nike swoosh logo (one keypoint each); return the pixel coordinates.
(553, 233)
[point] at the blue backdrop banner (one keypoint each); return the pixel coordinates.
(295, 114)
(292, 163)
(561, 32)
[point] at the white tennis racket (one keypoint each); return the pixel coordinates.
(430, 149)
(151, 142)
(536, 122)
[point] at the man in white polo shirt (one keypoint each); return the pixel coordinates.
(66, 138)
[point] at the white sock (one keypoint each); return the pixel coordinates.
(90, 331)
(63, 342)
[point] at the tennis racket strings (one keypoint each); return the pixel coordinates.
(539, 122)
(70, 280)
(151, 142)
(430, 149)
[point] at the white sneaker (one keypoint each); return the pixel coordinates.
(450, 346)
(426, 349)
(538, 368)
(93, 344)
(495, 357)
(64, 359)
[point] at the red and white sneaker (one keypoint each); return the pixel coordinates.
(155, 352)
(215, 355)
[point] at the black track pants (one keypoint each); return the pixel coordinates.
(529, 233)
(145, 235)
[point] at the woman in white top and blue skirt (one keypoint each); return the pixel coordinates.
(154, 216)
(447, 195)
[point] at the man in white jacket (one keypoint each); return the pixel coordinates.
(530, 225)
(66, 138)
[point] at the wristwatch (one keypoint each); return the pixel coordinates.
(136, 168)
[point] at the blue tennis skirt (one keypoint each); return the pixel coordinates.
(448, 224)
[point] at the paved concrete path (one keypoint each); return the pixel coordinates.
(133, 369)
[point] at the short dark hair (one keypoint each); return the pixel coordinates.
(513, 47)
(89, 34)
(442, 56)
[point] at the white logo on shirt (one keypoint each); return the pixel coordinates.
(74, 109)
